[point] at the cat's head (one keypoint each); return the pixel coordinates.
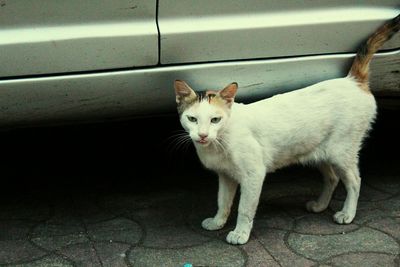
(204, 114)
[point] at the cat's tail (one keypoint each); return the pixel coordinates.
(360, 68)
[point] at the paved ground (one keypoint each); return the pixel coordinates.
(94, 208)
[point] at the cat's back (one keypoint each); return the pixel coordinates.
(335, 95)
(319, 108)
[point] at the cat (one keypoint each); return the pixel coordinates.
(322, 125)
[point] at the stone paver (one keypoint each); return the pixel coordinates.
(214, 253)
(162, 228)
(370, 259)
(320, 247)
(258, 255)
(112, 253)
(173, 237)
(387, 225)
(83, 254)
(321, 224)
(391, 206)
(16, 251)
(155, 220)
(115, 230)
(53, 261)
(274, 241)
(58, 242)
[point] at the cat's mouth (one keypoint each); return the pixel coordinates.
(202, 141)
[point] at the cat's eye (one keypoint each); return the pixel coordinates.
(192, 119)
(216, 120)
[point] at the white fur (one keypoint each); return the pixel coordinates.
(323, 125)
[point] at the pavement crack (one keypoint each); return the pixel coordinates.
(86, 232)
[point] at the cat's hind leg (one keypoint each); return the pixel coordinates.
(226, 193)
(351, 179)
(330, 181)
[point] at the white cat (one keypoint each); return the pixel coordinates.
(323, 125)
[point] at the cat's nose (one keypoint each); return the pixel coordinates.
(203, 135)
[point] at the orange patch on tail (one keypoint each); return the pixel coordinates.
(360, 68)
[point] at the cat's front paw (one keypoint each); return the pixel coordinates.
(342, 217)
(212, 224)
(237, 237)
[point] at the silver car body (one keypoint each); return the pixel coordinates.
(70, 61)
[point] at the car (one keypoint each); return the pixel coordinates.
(77, 61)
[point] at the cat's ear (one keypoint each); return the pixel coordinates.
(183, 91)
(229, 93)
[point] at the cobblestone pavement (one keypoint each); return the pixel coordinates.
(162, 228)
(101, 223)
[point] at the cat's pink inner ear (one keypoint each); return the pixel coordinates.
(182, 90)
(229, 92)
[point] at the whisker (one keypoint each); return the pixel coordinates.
(178, 141)
(183, 133)
(182, 142)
